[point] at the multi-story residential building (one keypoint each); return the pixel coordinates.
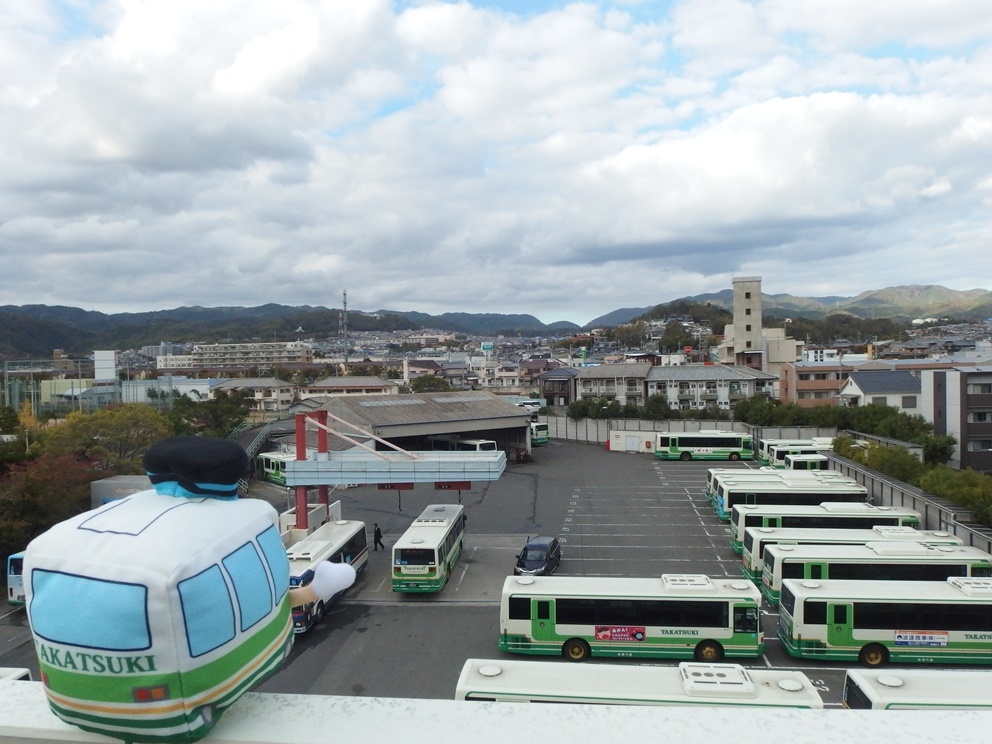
(623, 383)
(267, 393)
(245, 356)
(556, 387)
(720, 386)
(958, 401)
(350, 385)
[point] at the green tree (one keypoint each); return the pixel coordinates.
(109, 439)
(215, 417)
(656, 408)
(897, 462)
(758, 410)
(937, 450)
(966, 488)
(9, 421)
(429, 384)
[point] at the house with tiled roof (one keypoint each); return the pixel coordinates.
(897, 388)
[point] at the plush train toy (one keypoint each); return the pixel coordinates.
(153, 614)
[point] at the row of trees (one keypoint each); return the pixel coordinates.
(46, 469)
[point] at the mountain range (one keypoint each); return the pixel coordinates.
(33, 331)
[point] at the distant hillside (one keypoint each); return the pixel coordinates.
(617, 317)
(33, 331)
(897, 303)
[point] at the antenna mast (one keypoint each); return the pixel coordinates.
(344, 323)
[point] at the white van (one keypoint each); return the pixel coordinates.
(531, 406)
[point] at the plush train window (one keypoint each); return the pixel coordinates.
(208, 611)
(274, 553)
(251, 584)
(71, 609)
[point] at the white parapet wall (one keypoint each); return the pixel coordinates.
(262, 718)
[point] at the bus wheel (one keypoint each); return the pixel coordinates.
(575, 650)
(735, 456)
(318, 610)
(708, 651)
(873, 655)
(685, 456)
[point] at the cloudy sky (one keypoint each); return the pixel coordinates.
(558, 159)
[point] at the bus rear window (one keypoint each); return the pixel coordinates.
(414, 557)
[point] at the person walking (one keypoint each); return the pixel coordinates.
(377, 538)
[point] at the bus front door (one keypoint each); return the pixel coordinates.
(542, 620)
(839, 625)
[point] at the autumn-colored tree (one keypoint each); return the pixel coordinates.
(111, 439)
(39, 493)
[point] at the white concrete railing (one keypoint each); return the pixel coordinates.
(262, 718)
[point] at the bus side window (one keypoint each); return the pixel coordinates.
(745, 619)
(519, 608)
(543, 610)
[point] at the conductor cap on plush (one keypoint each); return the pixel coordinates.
(196, 467)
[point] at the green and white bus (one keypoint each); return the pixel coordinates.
(763, 450)
(874, 561)
(192, 629)
(801, 487)
(706, 444)
(918, 689)
(271, 466)
(690, 683)
(425, 555)
(675, 616)
(827, 515)
(876, 622)
(539, 434)
(756, 539)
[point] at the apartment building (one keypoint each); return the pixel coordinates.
(958, 401)
(246, 356)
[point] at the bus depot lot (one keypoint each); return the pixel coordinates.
(617, 514)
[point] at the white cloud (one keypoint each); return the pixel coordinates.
(423, 156)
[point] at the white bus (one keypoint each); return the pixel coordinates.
(716, 476)
(341, 541)
(763, 452)
(778, 452)
(827, 515)
(448, 443)
(677, 615)
(756, 539)
(874, 561)
(876, 622)
(801, 487)
(917, 689)
(690, 683)
(806, 462)
(425, 555)
(540, 434)
(705, 444)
